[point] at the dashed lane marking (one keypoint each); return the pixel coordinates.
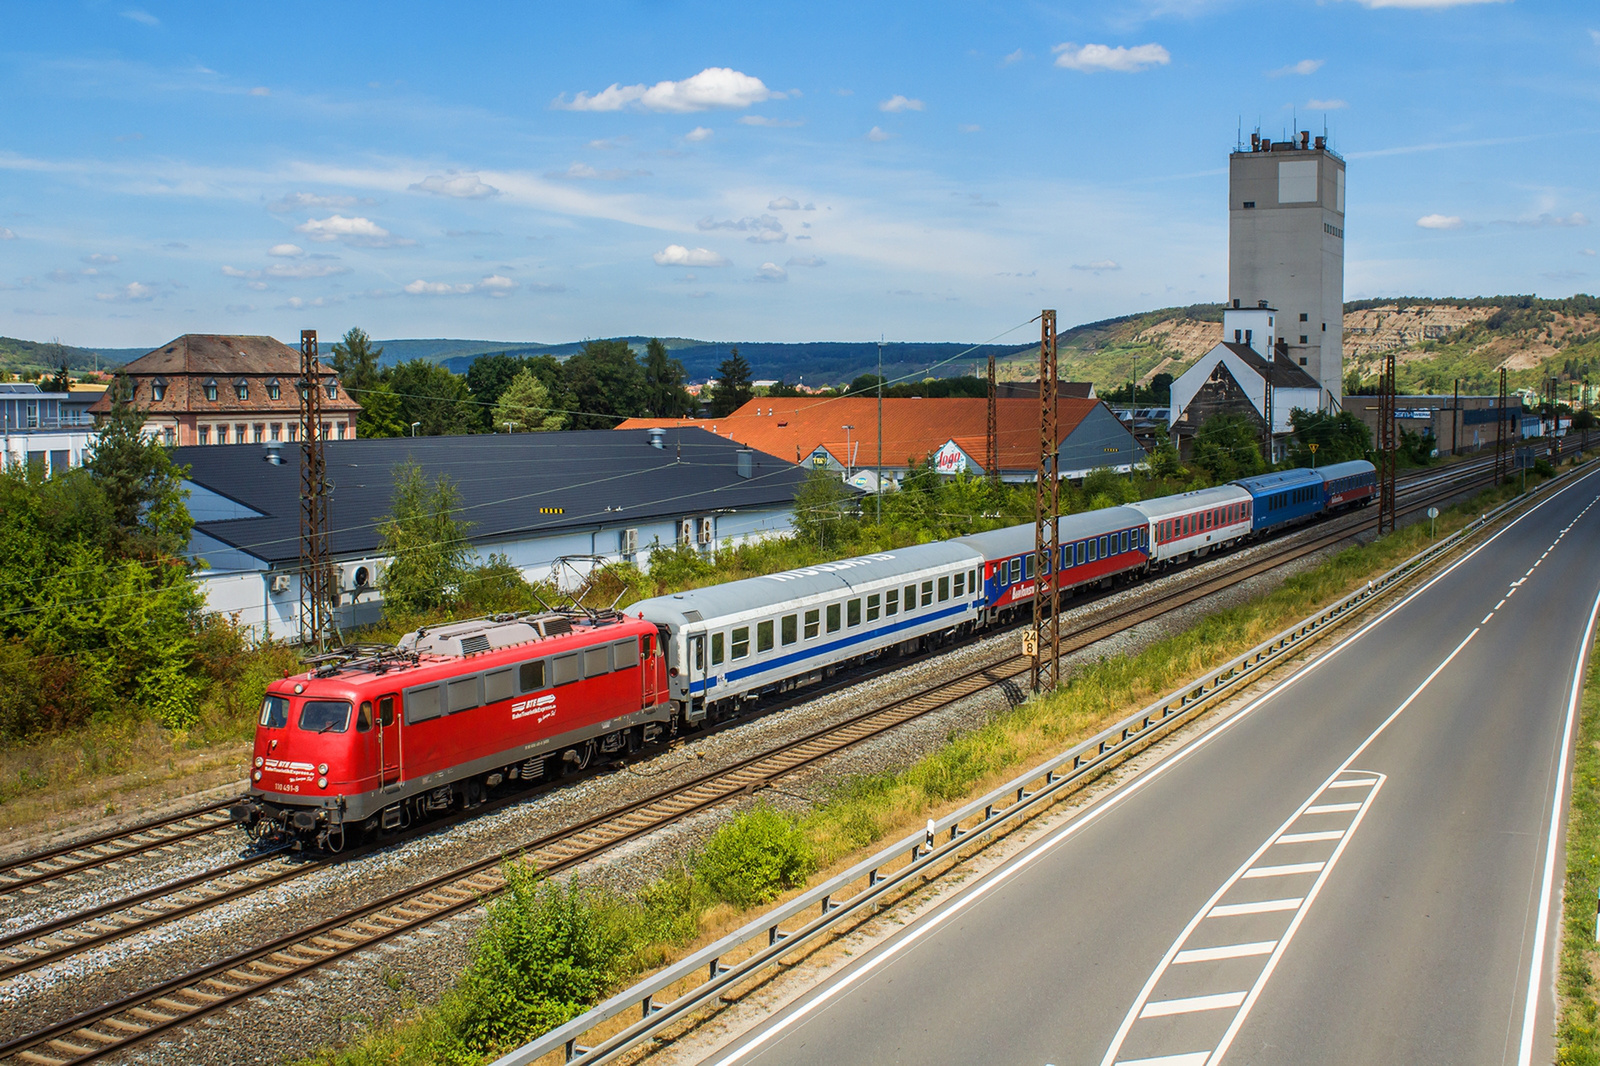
(1287, 870)
(1229, 951)
(1165, 1008)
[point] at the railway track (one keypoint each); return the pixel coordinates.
(186, 998)
(111, 848)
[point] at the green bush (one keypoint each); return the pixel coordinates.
(755, 857)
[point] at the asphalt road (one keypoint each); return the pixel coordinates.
(1358, 867)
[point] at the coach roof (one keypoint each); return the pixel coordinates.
(511, 485)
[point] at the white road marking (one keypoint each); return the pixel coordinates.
(1231, 951)
(1333, 808)
(1309, 838)
(1115, 798)
(1189, 1005)
(1499, 605)
(1486, 618)
(1510, 594)
(1287, 871)
(1358, 782)
(1194, 1058)
(1530, 1005)
(1265, 906)
(1527, 575)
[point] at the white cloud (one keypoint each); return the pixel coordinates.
(297, 201)
(286, 250)
(261, 90)
(584, 172)
(1425, 3)
(102, 259)
(1595, 36)
(897, 103)
(438, 288)
(1096, 57)
(784, 203)
(1015, 57)
(763, 230)
(1586, 251)
(1305, 66)
(699, 133)
(711, 88)
(289, 270)
(1326, 105)
(497, 285)
(297, 303)
(969, 127)
(454, 184)
(876, 135)
(1440, 222)
(357, 231)
(1099, 266)
(771, 123)
(806, 261)
(1547, 221)
(133, 292)
(772, 272)
(7, 235)
(144, 18)
(678, 255)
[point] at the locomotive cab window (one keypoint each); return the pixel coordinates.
(625, 655)
(891, 602)
(565, 668)
(386, 710)
(852, 613)
(531, 675)
(791, 628)
(716, 649)
(833, 618)
(874, 607)
(764, 636)
(324, 716)
(741, 642)
(497, 685)
(275, 712)
(813, 624)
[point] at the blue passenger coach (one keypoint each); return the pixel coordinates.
(1283, 497)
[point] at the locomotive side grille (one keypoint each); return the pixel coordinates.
(556, 625)
(473, 644)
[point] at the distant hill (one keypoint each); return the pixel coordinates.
(29, 358)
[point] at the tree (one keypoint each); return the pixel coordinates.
(1339, 438)
(381, 414)
(1225, 447)
(823, 508)
(62, 381)
(425, 542)
(355, 360)
(664, 378)
(865, 385)
(525, 403)
(1164, 459)
(143, 489)
(431, 395)
(783, 388)
(606, 384)
(732, 389)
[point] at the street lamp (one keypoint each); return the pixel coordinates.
(509, 425)
(847, 430)
(414, 426)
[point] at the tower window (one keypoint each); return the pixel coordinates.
(1304, 339)
(1249, 203)
(1302, 360)
(1302, 316)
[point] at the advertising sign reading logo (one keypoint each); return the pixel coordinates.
(950, 460)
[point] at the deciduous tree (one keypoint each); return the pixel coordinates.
(425, 542)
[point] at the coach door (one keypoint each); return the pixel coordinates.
(695, 668)
(388, 740)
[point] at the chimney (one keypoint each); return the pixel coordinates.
(1255, 141)
(1248, 334)
(1322, 142)
(1238, 335)
(1236, 302)
(747, 462)
(1305, 139)
(1261, 304)
(657, 437)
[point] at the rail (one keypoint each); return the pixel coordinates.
(818, 910)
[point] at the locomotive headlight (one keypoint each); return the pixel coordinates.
(322, 782)
(322, 769)
(259, 761)
(256, 776)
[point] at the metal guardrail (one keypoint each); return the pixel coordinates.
(816, 911)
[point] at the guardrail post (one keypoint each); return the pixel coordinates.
(774, 935)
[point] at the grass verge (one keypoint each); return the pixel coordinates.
(1578, 1034)
(506, 996)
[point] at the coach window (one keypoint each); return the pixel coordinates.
(1066, 557)
(891, 602)
(716, 649)
(764, 636)
(497, 686)
(961, 586)
(464, 694)
(791, 628)
(531, 675)
(1103, 547)
(833, 618)
(1093, 555)
(275, 712)
(596, 661)
(911, 598)
(741, 642)
(813, 620)
(1083, 550)
(1124, 540)
(852, 613)
(927, 593)
(873, 607)
(565, 668)
(944, 589)
(1027, 568)
(1016, 571)
(972, 580)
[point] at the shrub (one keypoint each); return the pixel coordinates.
(755, 857)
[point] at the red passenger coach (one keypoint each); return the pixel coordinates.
(375, 738)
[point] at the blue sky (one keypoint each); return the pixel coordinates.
(816, 171)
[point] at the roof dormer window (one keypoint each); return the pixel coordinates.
(211, 389)
(241, 388)
(333, 389)
(158, 390)
(273, 390)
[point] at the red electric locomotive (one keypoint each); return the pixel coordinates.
(376, 738)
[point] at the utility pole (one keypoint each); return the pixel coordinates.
(315, 584)
(1555, 420)
(1388, 447)
(991, 458)
(1455, 416)
(1046, 509)
(1500, 441)
(880, 430)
